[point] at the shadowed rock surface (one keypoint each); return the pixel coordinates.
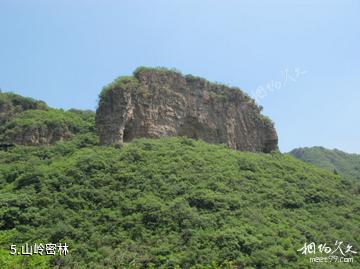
(157, 102)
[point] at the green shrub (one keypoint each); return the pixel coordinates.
(171, 201)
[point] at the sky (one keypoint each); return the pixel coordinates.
(299, 59)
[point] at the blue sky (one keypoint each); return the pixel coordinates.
(300, 59)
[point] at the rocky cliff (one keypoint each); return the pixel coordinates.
(160, 102)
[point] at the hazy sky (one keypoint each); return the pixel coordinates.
(300, 59)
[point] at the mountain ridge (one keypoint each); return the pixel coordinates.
(171, 202)
(346, 164)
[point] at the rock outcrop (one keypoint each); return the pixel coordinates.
(38, 135)
(12, 104)
(160, 102)
(26, 121)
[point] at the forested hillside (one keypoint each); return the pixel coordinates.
(168, 202)
(165, 203)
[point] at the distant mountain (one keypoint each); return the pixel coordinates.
(345, 164)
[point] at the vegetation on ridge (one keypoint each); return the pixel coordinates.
(347, 165)
(11, 104)
(171, 201)
(216, 90)
(20, 116)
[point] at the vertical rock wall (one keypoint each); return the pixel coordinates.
(160, 102)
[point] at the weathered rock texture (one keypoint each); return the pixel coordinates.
(160, 102)
(38, 135)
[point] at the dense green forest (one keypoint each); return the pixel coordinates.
(168, 203)
(347, 165)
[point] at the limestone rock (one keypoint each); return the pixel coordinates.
(161, 102)
(39, 135)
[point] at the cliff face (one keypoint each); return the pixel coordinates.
(39, 135)
(159, 102)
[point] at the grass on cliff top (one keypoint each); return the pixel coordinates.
(171, 201)
(12, 104)
(19, 114)
(216, 89)
(12, 99)
(131, 82)
(125, 82)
